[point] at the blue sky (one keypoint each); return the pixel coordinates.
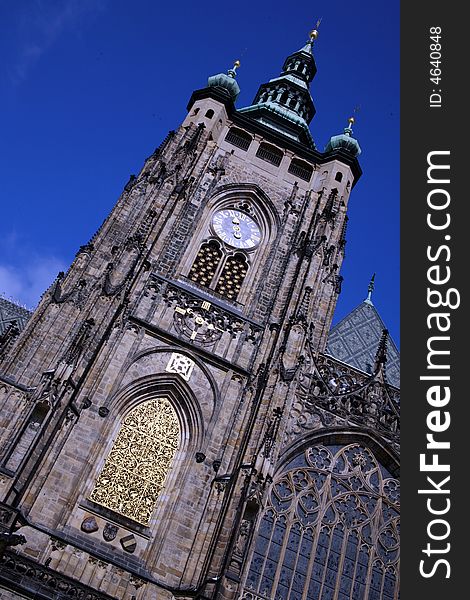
(89, 88)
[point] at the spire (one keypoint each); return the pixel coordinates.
(284, 103)
(370, 289)
(226, 81)
(381, 354)
(345, 141)
(233, 71)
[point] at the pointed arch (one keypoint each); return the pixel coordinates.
(146, 448)
(330, 527)
(206, 263)
(139, 461)
(201, 265)
(232, 276)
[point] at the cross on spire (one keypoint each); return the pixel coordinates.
(314, 33)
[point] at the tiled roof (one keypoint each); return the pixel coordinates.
(355, 339)
(9, 312)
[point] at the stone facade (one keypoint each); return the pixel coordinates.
(247, 378)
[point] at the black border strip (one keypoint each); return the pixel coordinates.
(434, 124)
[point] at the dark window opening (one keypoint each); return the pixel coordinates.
(300, 169)
(210, 113)
(238, 138)
(339, 176)
(270, 154)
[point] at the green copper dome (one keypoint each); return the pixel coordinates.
(345, 141)
(226, 81)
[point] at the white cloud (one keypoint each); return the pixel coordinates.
(26, 285)
(42, 24)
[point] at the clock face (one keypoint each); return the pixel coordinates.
(236, 228)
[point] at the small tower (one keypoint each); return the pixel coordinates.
(284, 103)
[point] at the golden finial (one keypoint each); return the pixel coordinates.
(314, 33)
(351, 121)
(233, 71)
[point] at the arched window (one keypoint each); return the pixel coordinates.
(330, 530)
(284, 97)
(300, 169)
(137, 465)
(231, 279)
(339, 176)
(209, 114)
(270, 154)
(239, 138)
(206, 263)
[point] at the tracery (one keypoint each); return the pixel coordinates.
(330, 530)
(138, 463)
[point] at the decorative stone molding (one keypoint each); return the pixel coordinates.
(30, 576)
(332, 393)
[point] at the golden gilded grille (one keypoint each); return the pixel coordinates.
(205, 264)
(232, 277)
(135, 470)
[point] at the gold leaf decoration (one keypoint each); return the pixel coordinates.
(135, 470)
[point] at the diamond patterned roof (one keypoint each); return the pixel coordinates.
(12, 312)
(355, 339)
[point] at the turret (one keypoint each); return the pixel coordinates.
(284, 103)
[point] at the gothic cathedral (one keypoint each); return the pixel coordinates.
(172, 424)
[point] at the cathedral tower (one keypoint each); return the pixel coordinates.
(170, 424)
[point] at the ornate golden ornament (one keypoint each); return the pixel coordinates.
(134, 472)
(198, 323)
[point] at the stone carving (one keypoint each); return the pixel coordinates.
(79, 343)
(271, 432)
(129, 543)
(89, 525)
(118, 272)
(290, 360)
(76, 295)
(136, 581)
(330, 392)
(201, 321)
(241, 545)
(8, 337)
(180, 364)
(44, 579)
(326, 498)
(57, 545)
(110, 532)
(131, 182)
(197, 324)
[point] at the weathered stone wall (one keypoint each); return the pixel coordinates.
(102, 341)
